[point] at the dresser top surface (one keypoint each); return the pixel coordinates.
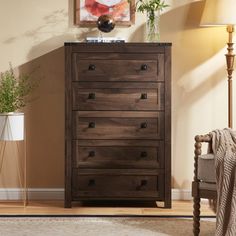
(112, 44)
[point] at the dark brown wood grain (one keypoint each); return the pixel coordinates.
(119, 143)
(117, 48)
(116, 185)
(118, 98)
(97, 184)
(118, 114)
(117, 128)
(68, 128)
(117, 156)
(117, 171)
(167, 125)
(122, 68)
(118, 122)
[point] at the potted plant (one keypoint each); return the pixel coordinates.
(152, 8)
(13, 96)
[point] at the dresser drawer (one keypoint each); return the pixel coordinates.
(118, 156)
(122, 67)
(118, 98)
(118, 127)
(130, 186)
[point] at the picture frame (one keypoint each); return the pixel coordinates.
(86, 12)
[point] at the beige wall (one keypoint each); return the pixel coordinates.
(31, 38)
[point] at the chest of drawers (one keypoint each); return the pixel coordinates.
(118, 122)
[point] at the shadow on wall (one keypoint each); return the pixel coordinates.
(198, 67)
(45, 113)
(50, 21)
(45, 121)
(44, 118)
(138, 35)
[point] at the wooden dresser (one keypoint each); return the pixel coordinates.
(118, 122)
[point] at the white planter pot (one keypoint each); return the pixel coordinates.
(11, 126)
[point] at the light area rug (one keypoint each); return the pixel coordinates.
(101, 226)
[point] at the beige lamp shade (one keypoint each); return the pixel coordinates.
(219, 12)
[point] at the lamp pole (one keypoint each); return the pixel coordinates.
(230, 68)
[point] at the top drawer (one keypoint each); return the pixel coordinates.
(120, 67)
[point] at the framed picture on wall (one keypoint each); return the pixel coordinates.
(88, 11)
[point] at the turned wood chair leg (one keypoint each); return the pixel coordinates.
(196, 216)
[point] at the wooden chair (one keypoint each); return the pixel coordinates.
(203, 185)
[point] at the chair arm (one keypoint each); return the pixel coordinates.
(199, 139)
(203, 138)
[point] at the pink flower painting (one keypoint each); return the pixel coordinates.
(88, 11)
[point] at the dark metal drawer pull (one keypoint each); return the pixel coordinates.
(143, 125)
(143, 154)
(92, 67)
(92, 125)
(143, 96)
(143, 182)
(144, 67)
(91, 96)
(91, 182)
(91, 153)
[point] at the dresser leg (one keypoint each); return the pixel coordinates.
(67, 204)
(167, 203)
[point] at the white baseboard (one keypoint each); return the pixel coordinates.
(181, 194)
(58, 194)
(33, 193)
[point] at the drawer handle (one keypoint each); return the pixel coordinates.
(92, 125)
(142, 184)
(91, 182)
(143, 96)
(143, 154)
(143, 125)
(92, 67)
(92, 154)
(144, 67)
(91, 96)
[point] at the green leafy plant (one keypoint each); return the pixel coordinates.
(150, 7)
(14, 91)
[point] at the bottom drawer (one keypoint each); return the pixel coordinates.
(118, 186)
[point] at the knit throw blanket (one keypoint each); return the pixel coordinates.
(224, 149)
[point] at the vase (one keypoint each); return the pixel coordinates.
(153, 26)
(11, 126)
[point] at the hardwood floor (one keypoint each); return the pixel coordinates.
(179, 208)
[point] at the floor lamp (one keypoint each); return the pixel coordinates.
(222, 13)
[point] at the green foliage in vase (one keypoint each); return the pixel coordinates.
(150, 6)
(14, 91)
